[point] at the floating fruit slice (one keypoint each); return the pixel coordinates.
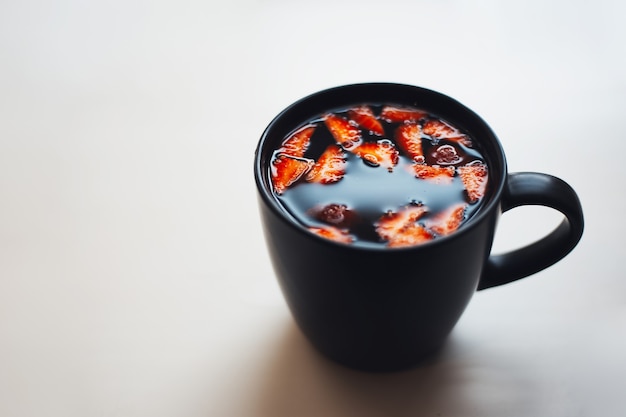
(287, 169)
(332, 233)
(344, 132)
(330, 167)
(474, 177)
(364, 117)
(412, 235)
(434, 173)
(381, 153)
(298, 142)
(392, 224)
(395, 114)
(439, 129)
(447, 221)
(446, 155)
(409, 139)
(334, 214)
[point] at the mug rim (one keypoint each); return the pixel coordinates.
(270, 201)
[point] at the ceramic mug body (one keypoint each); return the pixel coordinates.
(385, 309)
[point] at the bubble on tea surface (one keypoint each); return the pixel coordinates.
(370, 160)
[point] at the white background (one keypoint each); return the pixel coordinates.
(134, 280)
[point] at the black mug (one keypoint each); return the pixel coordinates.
(386, 309)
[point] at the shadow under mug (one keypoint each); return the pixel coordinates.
(386, 309)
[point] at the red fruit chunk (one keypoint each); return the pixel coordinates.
(434, 172)
(438, 129)
(344, 132)
(364, 117)
(399, 114)
(332, 233)
(408, 137)
(412, 235)
(335, 214)
(330, 167)
(447, 221)
(381, 153)
(392, 224)
(287, 169)
(474, 177)
(298, 143)
(447, 155)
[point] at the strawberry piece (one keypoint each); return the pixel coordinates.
(392, 224)
(446, 155)
(330, 167)
(344, 132)
(434, 173)
(447, 221)
(335, 214)
(381, 153)
(364, 117)
(298, 142)
(408, 137)
(332, 233)
(412, 235)
(439, 129)
(395, 114)
(474, 177)
(287, 169)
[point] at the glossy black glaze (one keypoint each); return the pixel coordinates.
(379, 309)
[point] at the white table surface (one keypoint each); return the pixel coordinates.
(134, 280)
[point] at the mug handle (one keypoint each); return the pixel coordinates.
(531, 188)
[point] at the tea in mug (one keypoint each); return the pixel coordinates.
(379, 175)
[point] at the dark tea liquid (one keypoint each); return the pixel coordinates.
(367, 192)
